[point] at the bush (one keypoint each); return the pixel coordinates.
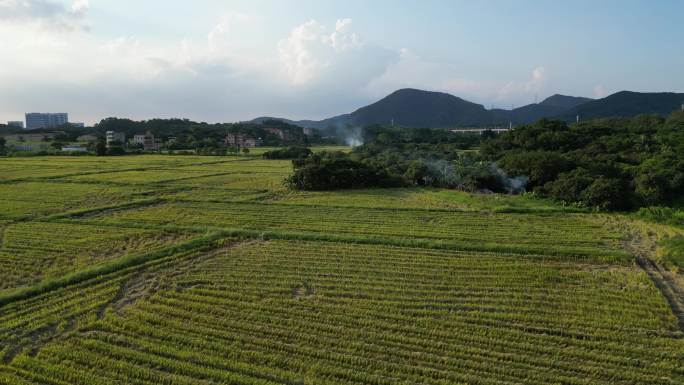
(539, 166)
(659, 214)
(569, 186)
(288, 153)
(605, 194)
(331, 171)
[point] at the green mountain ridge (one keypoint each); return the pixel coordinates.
(417, 108)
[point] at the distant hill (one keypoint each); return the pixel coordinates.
(626, 104)
(416, 108)
(564, 102)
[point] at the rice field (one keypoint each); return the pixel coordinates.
(205, 270)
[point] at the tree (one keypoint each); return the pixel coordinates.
(570, 185)
(606, 194)
(418, 173)
(245, 150)
(3, 141)
(539, 166)
(101, 148)
(115, 148)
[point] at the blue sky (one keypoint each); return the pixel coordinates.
(213, 60)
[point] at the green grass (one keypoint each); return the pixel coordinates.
(673, 251)
(205, 270)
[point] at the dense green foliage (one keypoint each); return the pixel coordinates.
(335, 170)
(610, 163)
(406, 157)
(189, 134)
(288, 153)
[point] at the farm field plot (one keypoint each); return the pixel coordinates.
(206, 270)
(32, 251)
(282, 312)
(42, 198)
(571, 233)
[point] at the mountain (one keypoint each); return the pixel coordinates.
(416, 108)
(626, 104)
(564, 102)
(552, 106)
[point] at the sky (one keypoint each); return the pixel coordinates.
(233, 60)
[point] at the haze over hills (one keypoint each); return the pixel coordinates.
(418, 108)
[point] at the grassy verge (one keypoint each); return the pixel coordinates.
(672, 251)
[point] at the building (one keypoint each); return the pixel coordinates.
(480, 130)
(38, 120)
(77, 124)
(74, 149)
(147, 141)
(87, 138)
(112, 136)
(16, 124)
(45, 137)
(241, 140)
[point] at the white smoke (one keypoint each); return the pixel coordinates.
(515, 185)
(353, 137)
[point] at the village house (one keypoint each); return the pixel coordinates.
(112, 137)
(147, 141)
(241, 140)
(87, 138)
(41, 137)
(74, 149)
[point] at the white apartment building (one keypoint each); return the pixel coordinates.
(113, 136)
(38, 120)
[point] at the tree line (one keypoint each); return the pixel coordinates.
(607, 164)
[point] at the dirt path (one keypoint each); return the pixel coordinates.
(667, 284)
(139, 285)
(643, 245)
(144, 284)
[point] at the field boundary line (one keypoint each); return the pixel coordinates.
(13, 295)
(550, 212)
(103, 209)
(666, 286)
(643, 245)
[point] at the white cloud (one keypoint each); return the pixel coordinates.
(412, 71)
(45, 13)
(313, 72)
(223, 34)
(534, 84)
(80, 6)
(338, 58)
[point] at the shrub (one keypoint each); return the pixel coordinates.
(605, 194)
(288, 153)
(331, 171)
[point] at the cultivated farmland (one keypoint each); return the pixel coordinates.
(205, 270)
